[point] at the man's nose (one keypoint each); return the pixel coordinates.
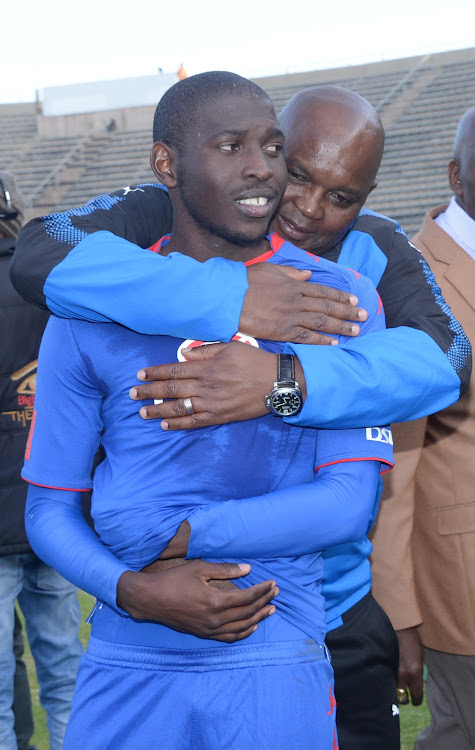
(310, 204)
(257, 164)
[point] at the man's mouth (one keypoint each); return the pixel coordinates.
(261, 201)
(254, 203)
(293, 230)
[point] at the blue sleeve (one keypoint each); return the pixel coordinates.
(60, 536)
(382, 376)
(333, 509)
(359, 444)
(106, 278)
(419, 366)
(93, 263)
(63, 441)
(66, 426)
(390, 376)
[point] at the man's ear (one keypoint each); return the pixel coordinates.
(373, 186)
(454, 179)
(163, 163)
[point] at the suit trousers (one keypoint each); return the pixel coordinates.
(365, 655)
(450, 695)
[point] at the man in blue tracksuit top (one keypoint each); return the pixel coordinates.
(258, 491)
(418, 366)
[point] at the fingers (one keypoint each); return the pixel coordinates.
(402, 696)
(411, 680)
(418, 696)
(416, 686)
(175, 414)
(237, 631)
(203, 352)
(192, 422)
(325, 324)
(335, 302)
(339, 309)
(180, 370)
(239, 622)
(230, 638)
(233, 615)
(173, 371)
(223, 571)
(295, 273)
(411, 665)
(300, 335)
(164, 389)
(175, 417)
(329, 293)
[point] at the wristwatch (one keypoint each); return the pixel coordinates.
(285, 398)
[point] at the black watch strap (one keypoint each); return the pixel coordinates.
(285, 368)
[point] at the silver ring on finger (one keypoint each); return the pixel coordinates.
(188, 406)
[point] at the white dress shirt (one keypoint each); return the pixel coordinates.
(459, 226)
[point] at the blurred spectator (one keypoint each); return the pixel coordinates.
(48, 602)
(22, 709)
(111, 126)
(181, 72)
(424, 576)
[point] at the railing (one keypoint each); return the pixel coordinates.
(400, 84)
(53, 176)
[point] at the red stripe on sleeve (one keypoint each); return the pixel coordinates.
(49, 487)
(388, 464)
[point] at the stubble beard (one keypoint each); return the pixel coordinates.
(239, 239)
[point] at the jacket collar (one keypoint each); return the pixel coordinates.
(460, 268)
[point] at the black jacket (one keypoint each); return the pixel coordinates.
(21, 329)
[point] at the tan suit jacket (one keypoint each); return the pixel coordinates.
(424, 541)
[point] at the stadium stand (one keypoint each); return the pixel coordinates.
(420, 100)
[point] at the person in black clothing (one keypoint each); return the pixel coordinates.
(48, 602)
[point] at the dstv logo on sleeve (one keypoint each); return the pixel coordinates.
(379, 434)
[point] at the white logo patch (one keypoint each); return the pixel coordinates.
(415, 248)
(395, 710)
(128, 190)
(379, 435)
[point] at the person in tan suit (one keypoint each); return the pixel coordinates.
(424, 543)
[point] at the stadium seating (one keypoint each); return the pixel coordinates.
(420, 100)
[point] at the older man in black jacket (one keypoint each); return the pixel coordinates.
(48, 602)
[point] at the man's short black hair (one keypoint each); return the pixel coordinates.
(181, 104)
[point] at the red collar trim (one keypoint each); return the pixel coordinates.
(157, 246)
(276, 243)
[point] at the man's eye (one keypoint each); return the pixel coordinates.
(340, 199)
(274, 148)
(295, 176)
(229, 146)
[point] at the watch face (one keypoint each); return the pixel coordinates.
(286, 402)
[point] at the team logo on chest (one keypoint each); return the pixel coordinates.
(192, 343)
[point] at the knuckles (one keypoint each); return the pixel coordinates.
(321, 322)
(171, 389)
(173, 370)
(300, 335)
